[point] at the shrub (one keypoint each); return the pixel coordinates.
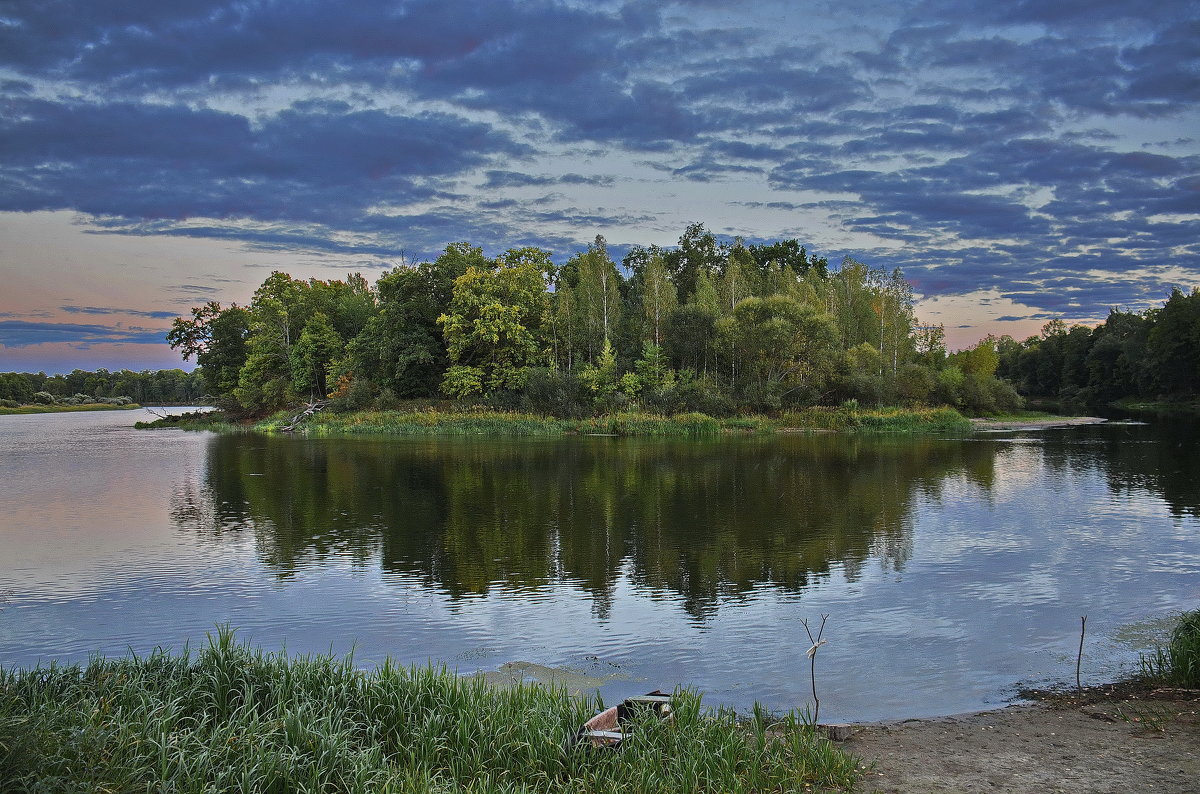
(689, 394)
(555, 393)
(43, 398)
(915, 383)
(387, 400)
(9, 404)
(1005, 396)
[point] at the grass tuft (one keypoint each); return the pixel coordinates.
(1178, 664)
(232, 718)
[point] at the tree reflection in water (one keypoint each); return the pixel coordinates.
(699, 522)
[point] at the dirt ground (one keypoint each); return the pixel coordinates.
(1120, 738)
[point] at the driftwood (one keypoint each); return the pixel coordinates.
(309, 410)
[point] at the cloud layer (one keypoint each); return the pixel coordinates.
(1041, 151)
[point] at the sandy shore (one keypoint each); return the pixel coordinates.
(1107, 739)
(1036, 424)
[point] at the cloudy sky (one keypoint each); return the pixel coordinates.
(1020, 160)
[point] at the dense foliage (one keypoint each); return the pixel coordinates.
(230, 718)
(703, 327)
(1152, 355)
(79, 387)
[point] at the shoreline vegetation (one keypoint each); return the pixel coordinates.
(458, 420)
(233, 718)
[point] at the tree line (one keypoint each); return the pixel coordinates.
(703, 326)
(79, 386)
(1149, 355)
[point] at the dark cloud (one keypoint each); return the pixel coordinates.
(507, 179)
(129, 312)
(708, 170)
(985, 145)
(196, 288)
(306, 163)
(771, 205)
(21, 333)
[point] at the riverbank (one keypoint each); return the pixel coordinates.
(426, 421)
(1116, 738)
(232, 718)
(59, 409)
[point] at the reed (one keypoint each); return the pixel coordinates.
(233, 718)
(641, 424)
(1177, 664)
(426, 422)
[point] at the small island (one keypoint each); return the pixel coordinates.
(745, 335)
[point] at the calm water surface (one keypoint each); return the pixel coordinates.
(952, 570)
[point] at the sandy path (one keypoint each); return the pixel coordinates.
(1065, 745)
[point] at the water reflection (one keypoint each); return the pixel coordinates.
(952, 569)
(701, 523)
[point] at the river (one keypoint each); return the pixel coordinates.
(952, 570)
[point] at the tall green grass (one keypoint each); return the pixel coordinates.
(423, 422)
(639, 424)
(850, 417)
(230, 718)
(1177, 664)
(432, 421)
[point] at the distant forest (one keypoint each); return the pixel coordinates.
(169, 386)
(704, 326)
(1151, 355)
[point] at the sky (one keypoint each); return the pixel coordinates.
(1020, 161)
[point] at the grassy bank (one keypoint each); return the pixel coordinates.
(59, 409)
(503, 423)
(233, 718)
(881, 420)
(481, 422)
(421, 423)
(428, 421)
(196, 420)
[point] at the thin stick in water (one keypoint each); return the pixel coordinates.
(811, 653)
(1079, 658)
